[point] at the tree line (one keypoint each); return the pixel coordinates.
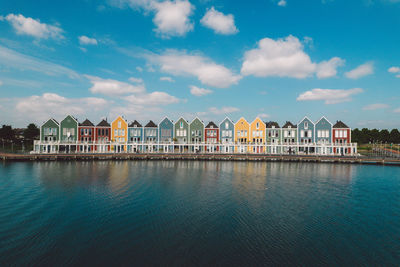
(18, 139)
(366, 136)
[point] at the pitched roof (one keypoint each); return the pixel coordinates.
(151, 124)
(272, 123)
(103, 123)
(288, 123)
(86, 123)
(212, 125)
(135, 124)
(340, 124)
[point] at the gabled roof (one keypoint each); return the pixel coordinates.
(211, 125)
(272, 123)
(243, 119)
(86, 123)
(305, 117)
(151, 124)
(182, 119)
(166, 118)
(323, 117)
(226, 118)
(71, 117)
(288, 123)
(340, 124)
(103, 123)
(197, 118)
(257, 118)
(135, 123)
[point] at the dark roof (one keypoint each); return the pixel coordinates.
(272, 123)
(86, 123)
(212, 125)
(151, 124)
(103, 123)
(135, 124)
(288, 123)
(340, 124)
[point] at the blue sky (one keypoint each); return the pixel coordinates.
(146, 59)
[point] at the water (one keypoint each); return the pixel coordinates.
(198, 213)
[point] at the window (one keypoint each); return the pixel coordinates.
(257, 125)
(119, 124)
(345, 134)
(115, 132)
(226, 125)
(306, 125)
(181, 124)
(302, 133)
(309, 133)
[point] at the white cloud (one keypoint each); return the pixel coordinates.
(223, 110)
(330, 96)
(220, 23)
(152, 99)
(135, 80)
(208, 72)
(398, 76)
(282, 3)
(32, 27)
(13, 59)
(172, 18)
(361, 71)
(1, 83)
(394, 69)
(84, 40)
(139, 69)
(50, 104)
(326, 69)
(285, 58)
(196, 91)
(167, 79)
(263, 116)
(397, 110)
(375, 106)
(113, 87)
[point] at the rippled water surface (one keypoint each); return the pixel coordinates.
(198, 213)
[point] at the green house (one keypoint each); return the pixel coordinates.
(181, 131)
(196, 131)
(69, 130)
(49, 131)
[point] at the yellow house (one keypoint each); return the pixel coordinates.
(241, 134)
(119, 134)
(257, 135)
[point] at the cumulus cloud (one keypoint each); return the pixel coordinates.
(1, 83)
(182, 63)
(375, 106)
(219, 22)
(84, 40)
(51, 104)
(135, 80)
(12, 59)
(397, 110)
(29, 26)
(152, 99)
(394, 69)
(172, 18)
(139, 69)
(196, 91)
(113, 87)
(223, 110)
(326, 69)
(263, 116)
(282, 3)
(330, 96)
(285, 58)
(167, 79)
(361, 71)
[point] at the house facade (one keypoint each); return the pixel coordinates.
(119, 134)
(196, 128)
(86, 136)
(289, 138)
(68, 134)
(305, 135)
(227, 135)
(181, 131)
(166, 134)
(211, 134)
(323, 136)
(257, 136)
(242, 128)
(273, 137)
(341, 135)
(135, 136)
(49, 135)
(102, 136)
(150, 135)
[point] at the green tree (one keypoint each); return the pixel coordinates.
(31, 132)
(6, 133)
(395, 136)
(384, 136)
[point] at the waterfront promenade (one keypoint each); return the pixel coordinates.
(202, 157)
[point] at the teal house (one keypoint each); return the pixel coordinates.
(166, 134)
(68, 134)
(181, 131)
(323, 135)
(306, 134)
(49, 134)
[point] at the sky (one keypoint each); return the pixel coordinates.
(279, 60)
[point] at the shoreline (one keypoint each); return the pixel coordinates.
(202, 157)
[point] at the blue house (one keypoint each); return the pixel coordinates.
(306, 134)
(227, 135)
(135, 136)
(166, 134)
(323, 135)
(150, 136)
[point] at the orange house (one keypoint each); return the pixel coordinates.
(257, 135)
(119, 134)
(242, 128)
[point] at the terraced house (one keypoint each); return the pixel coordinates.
(119, 134)
(196, 133)
(341, 137)
(181, 135)
(305, 132)
(135, 136)
(68, 134)
(242, 128)
(257, 136)
(289, 138)
(150, 134)
(86, 136)
(227, 135)
(49, 136)
(273, 137)
(211, 133)
(166, 134)
(323, 136)
(102, 136)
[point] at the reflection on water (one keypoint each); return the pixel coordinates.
(198, 213)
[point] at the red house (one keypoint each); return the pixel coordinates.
(211, 136)
(103, 136)
(86, 136)
(341, 135)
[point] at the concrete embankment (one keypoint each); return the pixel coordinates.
(212, 157)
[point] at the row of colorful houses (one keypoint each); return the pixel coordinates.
(321, 137)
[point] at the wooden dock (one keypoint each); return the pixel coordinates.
(201, 157)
